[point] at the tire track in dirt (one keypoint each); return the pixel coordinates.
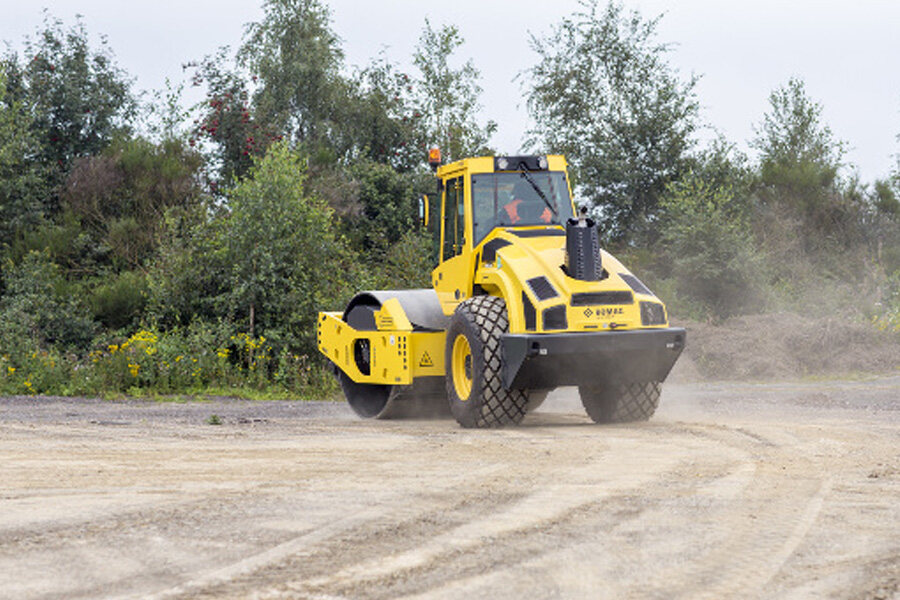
(306, 544)
(731, 486)
(509, 558)
(753, 518)
(760, 500)
(639, 461)
(758, 545)
(547, 504)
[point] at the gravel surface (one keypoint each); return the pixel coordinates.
(732, 490)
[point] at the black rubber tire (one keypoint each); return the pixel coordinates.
(482, 320)
(623, 403)
(535, 399)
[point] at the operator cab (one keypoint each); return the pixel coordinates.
(504, 191)
(481, 195)
(518, 199)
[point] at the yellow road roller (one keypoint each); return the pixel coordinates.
(523, 300)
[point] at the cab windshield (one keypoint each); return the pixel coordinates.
(516, 199)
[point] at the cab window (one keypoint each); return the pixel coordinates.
(517, 199)
(454, 218)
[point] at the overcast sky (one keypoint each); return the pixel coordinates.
(846, 52)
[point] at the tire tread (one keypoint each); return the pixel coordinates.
(624, 403)
(499, 406)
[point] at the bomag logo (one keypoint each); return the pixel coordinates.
(609, 312)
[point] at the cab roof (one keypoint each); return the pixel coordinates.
(500, 164)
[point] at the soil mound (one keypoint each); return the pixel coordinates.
(785, 345)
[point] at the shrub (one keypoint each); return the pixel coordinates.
(709, 248)
(37, 372)
(178, 360)
(887, 318)
(118, 303)
(200, 357)
(286, 261)
(37, 313)
(409, 262)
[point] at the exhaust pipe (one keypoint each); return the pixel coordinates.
(583, 260)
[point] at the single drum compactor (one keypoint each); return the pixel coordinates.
(523, 301)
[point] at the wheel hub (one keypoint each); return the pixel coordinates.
(462, 367)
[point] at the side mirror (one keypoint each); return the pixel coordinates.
(423, 211)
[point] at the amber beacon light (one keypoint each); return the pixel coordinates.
(434, 158)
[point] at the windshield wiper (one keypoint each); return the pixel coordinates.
(537, 189)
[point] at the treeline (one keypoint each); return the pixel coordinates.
(717, 233)
(149, 245)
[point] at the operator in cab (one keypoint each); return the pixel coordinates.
(526, 206)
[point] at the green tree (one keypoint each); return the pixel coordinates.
(792, 132)
(383, 122)
(79, 98)
(189, 275)
(885, 228)
(885, 199)
(21, 181)
(708, 247)
(388, 209)
(895, 173)
(120, 197)
(286, 260)
(604, 94)
(721, 165)
(39, 308)
(165, 116)
(296, 64)
(799, 164)
(448, 97)
(227, 129)
(295, 59)
(409, 261)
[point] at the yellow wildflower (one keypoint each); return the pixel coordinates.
(178, 358)
(10, 370)
(222, 352)
(134, 368)
(144, 336)
(113, 348)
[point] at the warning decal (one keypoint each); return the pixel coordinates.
(426, 361)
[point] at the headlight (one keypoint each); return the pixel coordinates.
(652, 313)
(555, 318)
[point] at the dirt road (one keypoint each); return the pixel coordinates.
(780, 490)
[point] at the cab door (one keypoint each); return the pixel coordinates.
(452, 279)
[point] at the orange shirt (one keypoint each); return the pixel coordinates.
(513, 212)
